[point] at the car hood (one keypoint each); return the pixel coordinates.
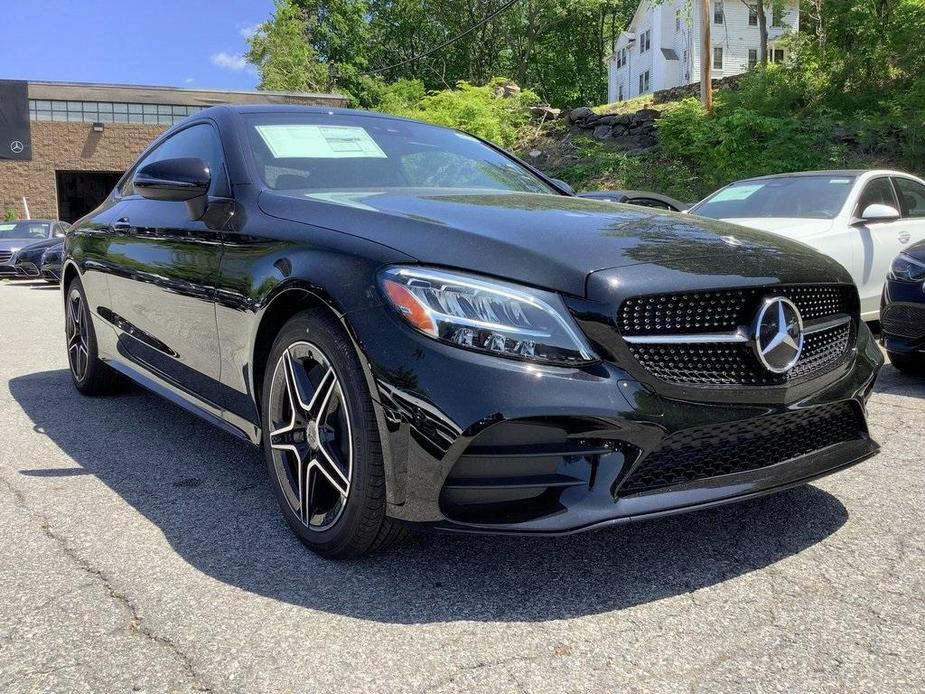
(14, 245)
(544, 240)
(791, 227)
(30, 246)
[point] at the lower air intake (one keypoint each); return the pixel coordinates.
(724, 449)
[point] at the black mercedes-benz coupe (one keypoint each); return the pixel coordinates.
(902, 314)
(421, 330)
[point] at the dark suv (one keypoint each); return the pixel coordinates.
(421, 330)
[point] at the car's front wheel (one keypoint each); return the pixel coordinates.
(321, 440)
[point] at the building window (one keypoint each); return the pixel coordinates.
(717, 11)
(776, 55)
(619, 55)
(752, 15)
(620, 93)
(645, 41)
(717, 58)
(677, 20)
(777, 16)
(643, 83)
(107, 112)
(752, 57)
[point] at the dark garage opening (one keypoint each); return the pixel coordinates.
(80, 192)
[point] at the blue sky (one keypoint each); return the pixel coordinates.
(191, 43)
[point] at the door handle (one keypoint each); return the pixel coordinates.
(122, 225)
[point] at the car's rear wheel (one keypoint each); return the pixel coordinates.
(321, 440)
(908, 364)
(89, 374)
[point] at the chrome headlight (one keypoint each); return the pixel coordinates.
(486, 315)
(907, 269)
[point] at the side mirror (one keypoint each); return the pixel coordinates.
(879, 213)
(177, 180)
(564, 186)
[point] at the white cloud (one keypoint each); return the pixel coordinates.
(189, 80)
(248, 30)
(229, 61)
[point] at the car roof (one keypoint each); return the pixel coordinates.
(42, 221)
(827, 172)
(298, 108)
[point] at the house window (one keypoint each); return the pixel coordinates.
(677, 20)
(777, 17)
(752, 57)
(624, 56)
(619, 59)
(717, 58)
(752, 15)
(645, 41)
(777, 55)
(644, 82)
(717, 11)
(620, 93)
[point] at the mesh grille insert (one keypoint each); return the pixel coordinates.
(725, 311)
(723, 449)
(904, 320)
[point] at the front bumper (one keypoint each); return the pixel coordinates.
(51, 272)
(477, 443)
(27, 269)
(902, 317)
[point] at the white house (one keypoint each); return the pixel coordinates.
(661, 49)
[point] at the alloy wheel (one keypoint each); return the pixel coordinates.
(76, 330)
(310, 435)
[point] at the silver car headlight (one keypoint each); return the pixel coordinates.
(490, 316)
(907, 269)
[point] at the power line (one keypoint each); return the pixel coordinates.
(504, 8)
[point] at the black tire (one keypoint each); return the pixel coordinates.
(90, 375)
(313, 345)
(912, 365)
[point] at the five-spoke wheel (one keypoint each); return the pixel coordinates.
(310, 435)
(322, 441)
(76, 326)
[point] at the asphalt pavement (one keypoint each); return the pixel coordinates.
(141, 550)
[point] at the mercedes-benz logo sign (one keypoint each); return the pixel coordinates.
(16, 147)
(778, 334)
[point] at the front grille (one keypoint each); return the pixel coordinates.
(904, 320)
(724, 364)
(740, 446)
(826, 311)
(5, 256)
(725, 309)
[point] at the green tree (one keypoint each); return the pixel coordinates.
(282, 54)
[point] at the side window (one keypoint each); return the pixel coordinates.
(196, 141)
(911, 197)
(650, 202)
(877, 192)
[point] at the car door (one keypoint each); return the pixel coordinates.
(163, 267)
(881, 241)
(911, 194)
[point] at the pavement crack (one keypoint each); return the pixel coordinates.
(135, 622)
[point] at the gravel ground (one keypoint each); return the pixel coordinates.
(140, 549)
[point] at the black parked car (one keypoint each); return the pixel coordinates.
(421, 330)
(28, 260)
(16, 235)
(51, 262)
(902, 315)
(643, 198)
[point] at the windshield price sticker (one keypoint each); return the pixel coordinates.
(736, 193)
(304, 141)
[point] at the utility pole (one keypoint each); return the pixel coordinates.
(706, 56)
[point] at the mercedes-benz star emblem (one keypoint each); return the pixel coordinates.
(16, 147)
(778, 334)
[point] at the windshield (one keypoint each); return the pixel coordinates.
(24, 230)
(799, 197)
(320, 152)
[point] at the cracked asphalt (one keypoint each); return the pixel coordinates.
(141, 550)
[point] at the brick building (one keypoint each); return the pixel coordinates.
(84, 136)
